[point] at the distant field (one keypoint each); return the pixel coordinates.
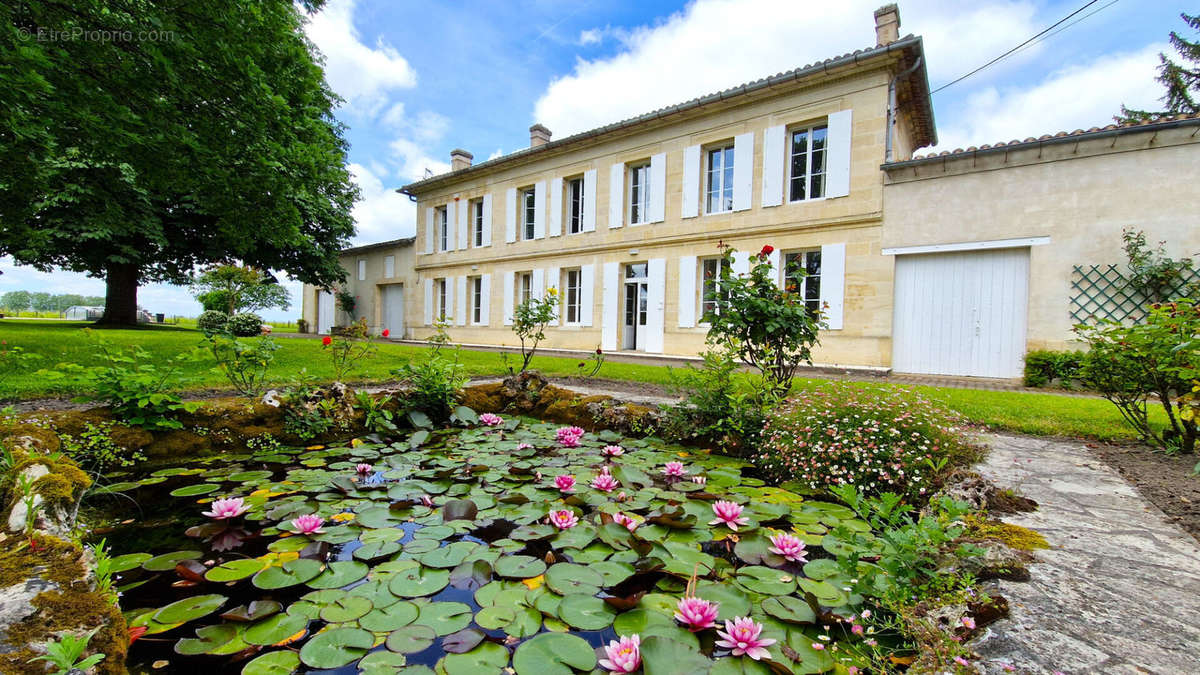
(64, 341)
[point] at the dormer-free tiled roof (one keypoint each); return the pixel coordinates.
(909, 48)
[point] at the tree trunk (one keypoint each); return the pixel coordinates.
(120, 297)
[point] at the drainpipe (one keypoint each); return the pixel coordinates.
(891, 111)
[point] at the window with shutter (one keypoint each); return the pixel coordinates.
(806, 165)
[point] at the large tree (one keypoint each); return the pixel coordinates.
(1182, 79)
(142, 138)
(234, 288)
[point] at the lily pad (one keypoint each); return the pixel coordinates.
(339, 574)
(444, 617)
(189, 609)
(336, 647)
(383, 663)
(274, 629)
(789, 608)
(411, 639)
(273, 663)
(195, 490)
(519, 567)
(586, 612)
(488, 657)
(124, 563)
(167, 561)
(346, 608)
(389, 618)
(554, 654)
(291, 573)
(766, 580)
(234, 570)
(416, 582)
(567, 578)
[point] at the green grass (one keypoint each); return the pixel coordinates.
(61, 341)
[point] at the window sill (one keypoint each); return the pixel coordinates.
(806, 201)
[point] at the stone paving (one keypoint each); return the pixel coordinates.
(1119, 590)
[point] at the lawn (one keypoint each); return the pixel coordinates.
(60, 341)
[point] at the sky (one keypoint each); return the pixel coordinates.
(419, 79)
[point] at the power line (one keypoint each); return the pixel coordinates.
(1085, 16)
(1014, 49)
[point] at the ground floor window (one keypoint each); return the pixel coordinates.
(574, 297)
(440, 287)
(710, 274)
(477, 300)
(802, 274)
(524, 287)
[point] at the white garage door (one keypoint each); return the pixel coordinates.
(961, 313)
(324, 312)
(392, 297)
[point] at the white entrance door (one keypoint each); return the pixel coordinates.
(636, 305)
(324, 312)
(392, 297)
(961, 313)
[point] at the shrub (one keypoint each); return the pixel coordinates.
(715, 406)
(243, 362)
(435, 382)
(347, 349)
(530, 319)
(1132, 365)
(875, 440)
(212, 322)
(245, 325)
(95, 450)
(1044, 367)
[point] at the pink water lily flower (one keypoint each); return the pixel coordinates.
(569, 437)
(625, 521)
(309, 523)
(612, 451)
(624, 655)
(674, 469)
(789, 546)
(427, 500)
(229, 507)
(605, 482)
(563, 519)
(565, 482)
(490, 420)
(699, 480)
(364, 469)
(696, 614)
(728, 514)
(524, 446)
(742, 636)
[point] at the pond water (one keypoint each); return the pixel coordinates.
(441, 557)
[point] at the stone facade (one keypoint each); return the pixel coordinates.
(386, 268)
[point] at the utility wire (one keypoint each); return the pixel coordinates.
(1085, 16)
(1014, 49)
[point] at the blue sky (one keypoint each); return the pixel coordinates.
(422, 78)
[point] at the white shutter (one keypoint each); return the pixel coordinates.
(487, 219)
(610, 301)
(743, 170)
(389, 266)
(460, 309)
(837, 159)
(509, 279)
(485, 302)
(589, 200)
(833, 283)
(429, 234)
(537, 286)
(741, 263)
(658, 188)
(450, 225)
(656, 300)
(616, 195)
(687, 291)
(691, 182)
(552, 281)
(510, 216)
(464, 215)
(587, 293)
(776, 272)
(556, 208)
(429, 302)
(774, 154)
(539, 210)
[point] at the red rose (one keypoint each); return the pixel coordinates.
(386, 332)
(766, 251)
(326, 340)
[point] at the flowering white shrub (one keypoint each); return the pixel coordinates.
(877, 440)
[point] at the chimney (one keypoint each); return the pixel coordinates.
(887, 25)
(460, 159)
(538, 135)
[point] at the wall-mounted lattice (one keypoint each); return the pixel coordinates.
(1104, 292)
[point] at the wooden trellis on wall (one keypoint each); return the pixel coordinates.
(1104, 292)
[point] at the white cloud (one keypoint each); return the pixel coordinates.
(360, 73)
(412, 160)
(496, 153)
(592, 36)
(716, 44)
(382, 213)
(1077, 96)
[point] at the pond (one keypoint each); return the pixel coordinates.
(519, 545)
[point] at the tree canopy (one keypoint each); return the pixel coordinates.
(140, 139)
(234, 288)
(1182, 80)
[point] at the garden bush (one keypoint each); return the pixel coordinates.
(1045, 367)
(435, 382)
(212, 322)
(245, 325)
(876, 440)
(716, 407)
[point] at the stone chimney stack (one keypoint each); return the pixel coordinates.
(538, 135)
(460, 159)
(887, 25)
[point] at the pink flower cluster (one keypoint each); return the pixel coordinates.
(490, 420)
(878, 441)
(628, 522)
(568, 437)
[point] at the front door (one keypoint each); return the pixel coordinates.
(324, 312)
(637, 300)
(393, 310)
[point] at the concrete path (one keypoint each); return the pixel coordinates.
(1118, 592)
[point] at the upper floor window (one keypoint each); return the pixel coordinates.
(528, 210)
(441, 228)
(710, 274)
(441, 299)
(477, 300)
(639, 193)
(719, 192)
(575, 206)
(362, 269)
(389, 266)
(476, 212)
(808, 283)
(524, 287)
(574, 296)
(806, 170)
